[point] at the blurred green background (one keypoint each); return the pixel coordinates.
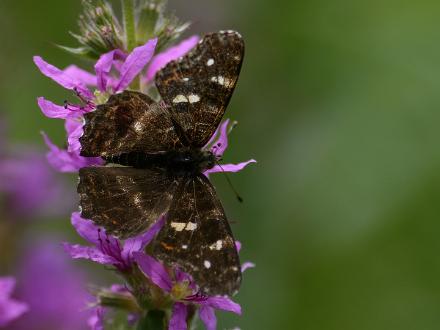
(339, 102)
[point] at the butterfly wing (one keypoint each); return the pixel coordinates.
(197, 238)
(128, 122)
(123, 200)
(198, 87)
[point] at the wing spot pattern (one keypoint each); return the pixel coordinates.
(217, 245)
(193, 98)
(180, 99)
(180, 226)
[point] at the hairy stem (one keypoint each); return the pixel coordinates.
(129, 24)
(130, 32)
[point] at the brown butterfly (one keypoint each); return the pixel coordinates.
(155, 163)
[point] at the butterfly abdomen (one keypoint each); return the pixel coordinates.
(180, 162)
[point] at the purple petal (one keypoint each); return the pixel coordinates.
(181, 276)
(96, 321)
(104, 65)
(171, 54)
(74, 129)
(52, 110)
(229, 167)
(154, 270)
(136, 244)
(207, 315)
(223, 303)
(221, 144)
(178, 317)
(80, 75)
(7, 285)
(246, 265)
(238, 246)
(65, 161)
(10, 310)
(134, 63)
(62, 78)
(85, 228)
(90, 253)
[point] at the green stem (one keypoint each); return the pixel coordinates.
(129, 24)
(154, 320)
(130, 33)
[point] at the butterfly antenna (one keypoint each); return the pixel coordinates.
(230, 184)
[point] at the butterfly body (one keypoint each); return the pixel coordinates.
(156, 157)
(177, 162)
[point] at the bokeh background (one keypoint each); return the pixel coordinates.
(339, 102)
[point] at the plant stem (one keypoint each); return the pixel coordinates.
(130, 33)
(129, 24)
(154, 320)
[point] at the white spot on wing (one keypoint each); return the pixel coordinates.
(226, 82)
(138, 127)
(210, 62)
(207, 264)
(137, 199)
(178, 226)
(193, 98)
(185, 79)
(184, 246)
(191, 226)
(180, 99)
(217, 245)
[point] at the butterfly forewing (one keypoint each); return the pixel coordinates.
(197, 238)
(128, 122)
(123, 200)
(198, 87)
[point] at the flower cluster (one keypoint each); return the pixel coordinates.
(178, 289)
(120, 65)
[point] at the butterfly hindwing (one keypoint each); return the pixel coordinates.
(123, 200)
(197, 88)
(128, 122)
(197, 238)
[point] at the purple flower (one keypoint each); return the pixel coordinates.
(218, 145)
(29, 185)
(183, 291)
(107, 249)
(96, 321)
(53, 288)
(10, 309)
(68, 161)
(247, 264)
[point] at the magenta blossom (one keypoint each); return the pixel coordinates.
(107, 249)
(10, 309)
(54, 289)
(30, 186)
(184, 292)
(96, 321)
(218, 145)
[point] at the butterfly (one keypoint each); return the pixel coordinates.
(155, 163)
